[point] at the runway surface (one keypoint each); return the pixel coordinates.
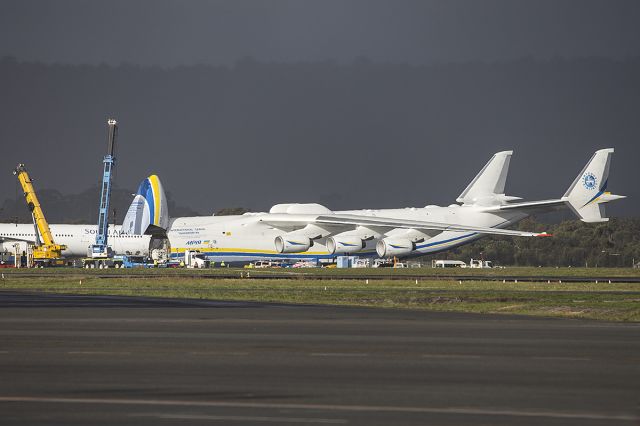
(78, 360)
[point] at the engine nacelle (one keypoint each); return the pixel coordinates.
(292, 243)
(389, 247)
(345, 244)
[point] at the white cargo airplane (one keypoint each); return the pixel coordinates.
(312, 231)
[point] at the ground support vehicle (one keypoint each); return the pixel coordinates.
(195, 259)
(478, 263)
(132, 261)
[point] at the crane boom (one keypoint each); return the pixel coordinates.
(101, 248)
(45, 250)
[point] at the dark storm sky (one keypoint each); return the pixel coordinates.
(219, 32)
(351, 103)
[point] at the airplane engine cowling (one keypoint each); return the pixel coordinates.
(344, 245)
(292, 243)
(389, 247)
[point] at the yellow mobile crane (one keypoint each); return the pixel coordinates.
(45, 252)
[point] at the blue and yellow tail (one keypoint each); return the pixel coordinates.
(148, 213)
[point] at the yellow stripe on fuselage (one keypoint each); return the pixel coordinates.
(238, 250)
(323, 253)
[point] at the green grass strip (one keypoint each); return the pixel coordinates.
(602, 301)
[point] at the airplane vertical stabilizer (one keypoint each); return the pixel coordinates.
(587, 193)
(148, 213)
(489, 182)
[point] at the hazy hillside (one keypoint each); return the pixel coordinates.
(78, 208)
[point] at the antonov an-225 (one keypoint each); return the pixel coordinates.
(312, 231)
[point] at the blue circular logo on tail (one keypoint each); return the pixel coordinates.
(589, 181)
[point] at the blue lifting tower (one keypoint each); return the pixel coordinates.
(101, 249)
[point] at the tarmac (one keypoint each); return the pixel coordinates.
(105, 360)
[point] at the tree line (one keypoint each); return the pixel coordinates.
(573, 243)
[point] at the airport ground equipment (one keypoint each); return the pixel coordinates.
(195, 259)
(118, 261)
(479, 263)
(132, 261)
(99, 254)
(448, 264)
(7, 259)
(45, 251)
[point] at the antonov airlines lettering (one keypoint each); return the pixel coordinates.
(312, 231)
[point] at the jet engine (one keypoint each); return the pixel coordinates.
(389, 247)
(345, 244)
(292, 243)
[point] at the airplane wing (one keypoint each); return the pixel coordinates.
(286, 220)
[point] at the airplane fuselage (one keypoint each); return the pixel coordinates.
(245, 238)
(77, 238)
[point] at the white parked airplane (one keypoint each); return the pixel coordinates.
(312, 231)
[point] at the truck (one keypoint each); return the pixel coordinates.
(448, 264)
(132, 261)
(195, 259)
(479, 263)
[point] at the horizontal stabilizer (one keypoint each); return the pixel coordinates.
(488, 185)
(530, 207)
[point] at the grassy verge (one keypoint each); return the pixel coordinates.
(492, 272)
(603, 301)
(334, 272)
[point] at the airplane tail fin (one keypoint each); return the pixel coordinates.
(487, 188)
(148, 214)
(587, 194)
